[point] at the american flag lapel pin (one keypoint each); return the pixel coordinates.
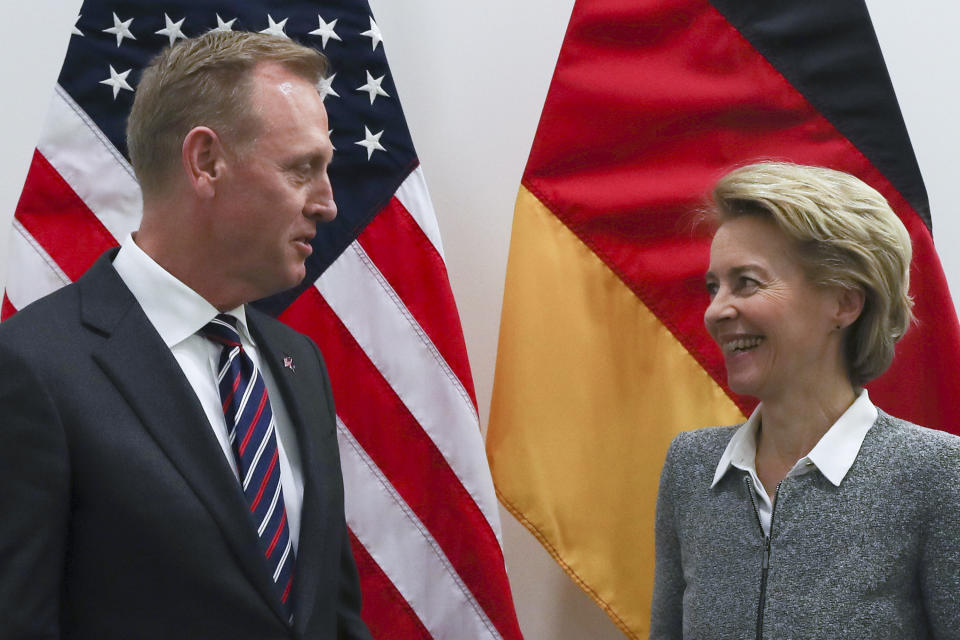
(288, 363)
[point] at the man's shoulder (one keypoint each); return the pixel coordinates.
(46, 320)
(263, 319)
(272, 329)
(284, 341)
(55, 318)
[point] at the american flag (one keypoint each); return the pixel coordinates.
(420, 504)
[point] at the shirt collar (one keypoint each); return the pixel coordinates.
(839, 446)
(175, 310)
(741, 451)
(833, 455)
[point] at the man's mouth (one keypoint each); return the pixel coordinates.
(304, 244)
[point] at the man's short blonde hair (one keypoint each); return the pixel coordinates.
(204, 81)
(845, 235)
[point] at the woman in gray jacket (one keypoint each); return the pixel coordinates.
(821, 516)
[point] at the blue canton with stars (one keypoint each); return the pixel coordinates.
(118, 39)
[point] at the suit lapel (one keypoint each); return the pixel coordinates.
(296, 384)
(135, 358)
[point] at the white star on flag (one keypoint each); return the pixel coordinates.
(373, 87)
(121, 29)
(173, 30)
(275, 28)
(118, 81)
(325, 31)
(224, 26)
(325, 87)
(374, 34)
(371, 142)
(76, 30)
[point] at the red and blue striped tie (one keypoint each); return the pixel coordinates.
(251, 428)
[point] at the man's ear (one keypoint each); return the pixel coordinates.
(203, 160)
(849, 306)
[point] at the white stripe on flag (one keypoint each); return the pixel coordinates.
(94, 169)
(31, 272)
(415, 198)
(413, 367)
(404, 549)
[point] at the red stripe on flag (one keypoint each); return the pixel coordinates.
(415, 270)
(626, 176)
(387, 614)
(6, 308)
(923, 376)
(401, 449)
(60, 221)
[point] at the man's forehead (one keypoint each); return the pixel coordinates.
(278, 81)
(274, 75)
(283, 100)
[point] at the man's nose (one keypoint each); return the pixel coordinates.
(321, 205)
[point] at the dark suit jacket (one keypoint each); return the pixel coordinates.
(119, 515)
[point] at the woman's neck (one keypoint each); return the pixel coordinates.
(792, 425)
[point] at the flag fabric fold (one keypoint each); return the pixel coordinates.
(603, 357)
(420, 503)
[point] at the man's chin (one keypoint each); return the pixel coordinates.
(296, 277)
(288, 281)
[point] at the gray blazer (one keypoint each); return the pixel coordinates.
(876, 558)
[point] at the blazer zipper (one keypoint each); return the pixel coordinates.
(765, 564)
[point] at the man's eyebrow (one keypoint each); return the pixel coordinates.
(309, 157)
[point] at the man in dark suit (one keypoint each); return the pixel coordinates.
(168, 456)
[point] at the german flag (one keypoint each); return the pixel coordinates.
(603, 356)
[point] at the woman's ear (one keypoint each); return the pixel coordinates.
(849, 306)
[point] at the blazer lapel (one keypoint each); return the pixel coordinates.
(295, 384)
(135, 358)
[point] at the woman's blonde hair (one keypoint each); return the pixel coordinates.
(846, 236)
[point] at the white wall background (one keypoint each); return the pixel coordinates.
(472, 78)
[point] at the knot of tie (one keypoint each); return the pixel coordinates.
(222, 330)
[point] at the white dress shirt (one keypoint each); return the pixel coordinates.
(177, 312)
(833, 455)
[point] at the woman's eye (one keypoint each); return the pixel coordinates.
(712, 289)
(747, 284)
